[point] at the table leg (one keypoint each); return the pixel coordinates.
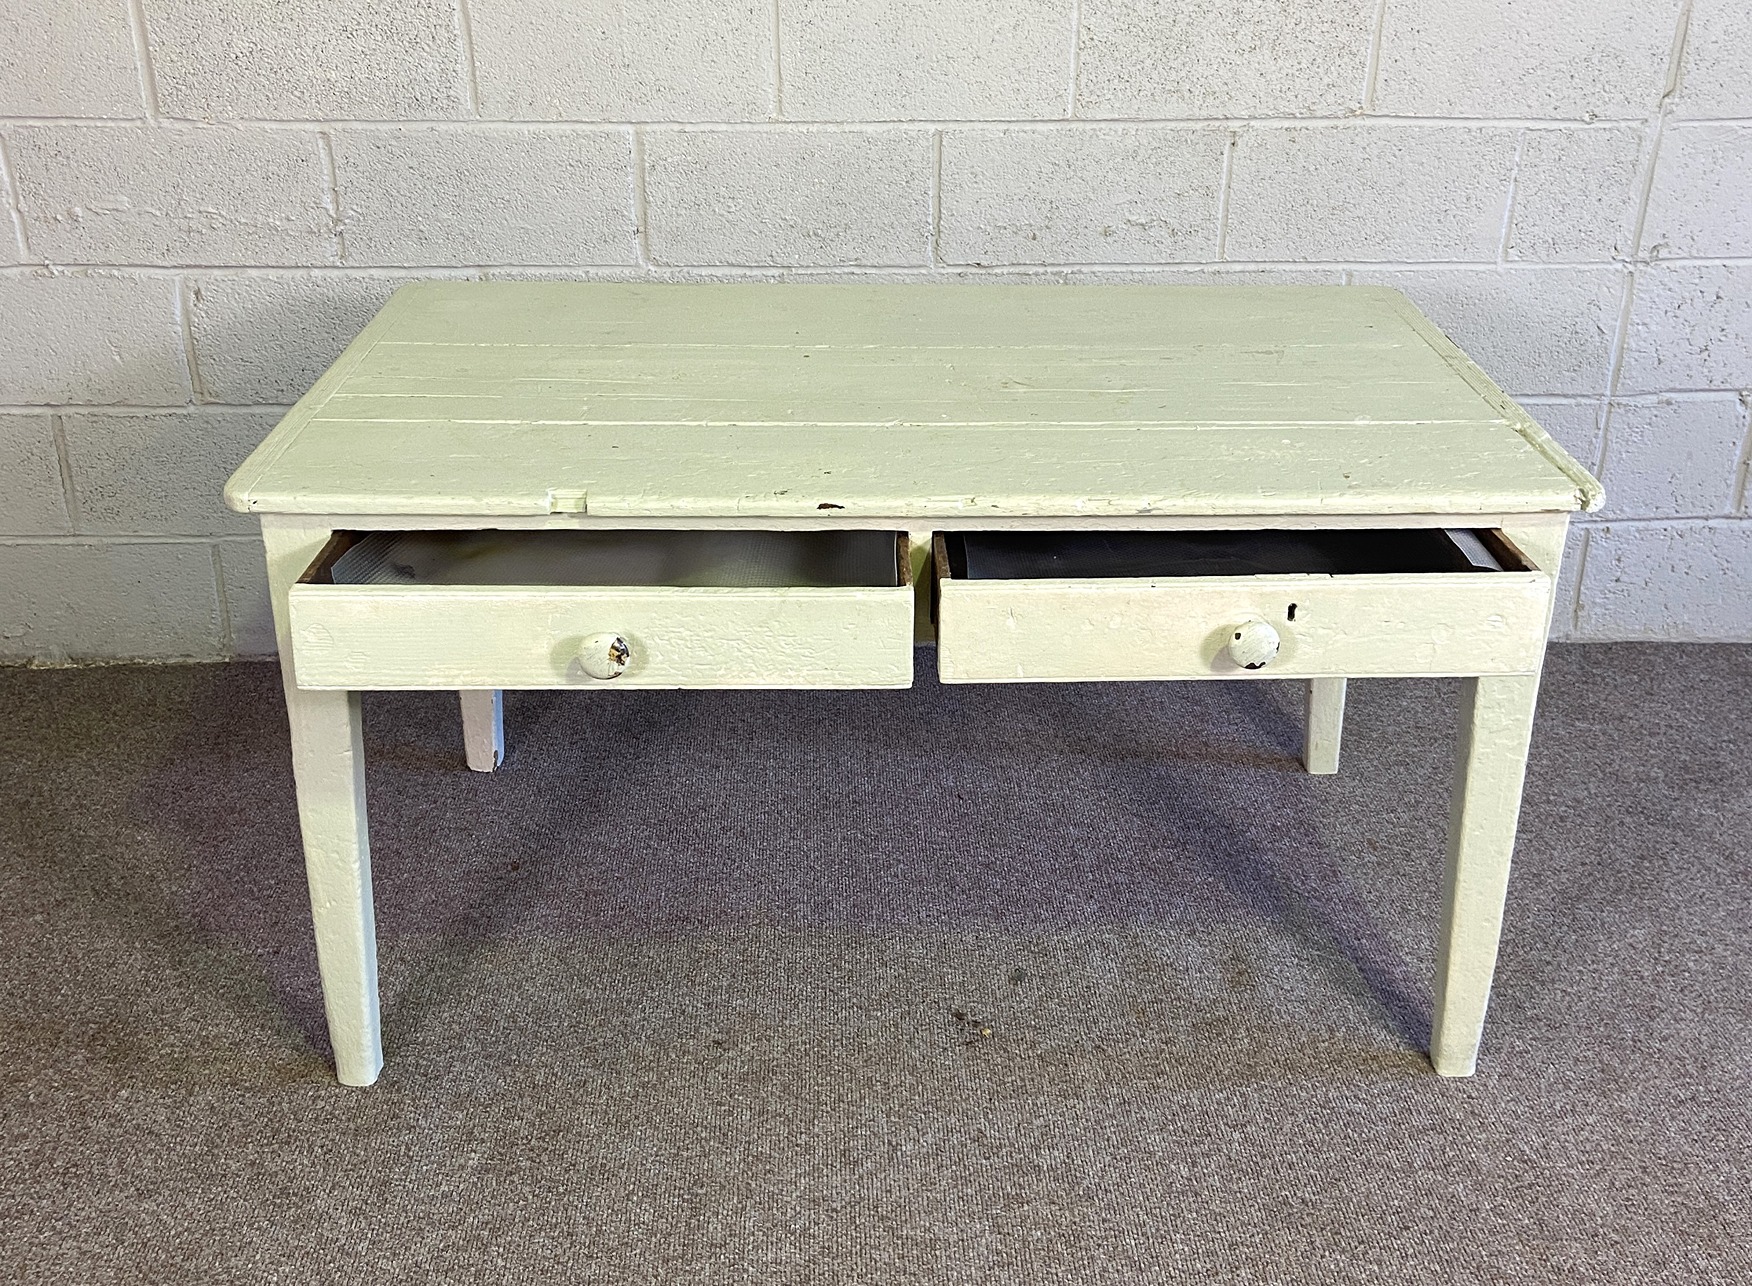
(483, 728)
(1325, 726)
(1495, 727)
(328, 767)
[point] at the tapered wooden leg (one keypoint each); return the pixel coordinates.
(483, 728)
(328, 765)
(1325, 727)
(1495, 727)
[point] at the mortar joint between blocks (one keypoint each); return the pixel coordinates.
(184, 305)
(1575, 604)
(332, 195)
(143, 57)
(1224, 184)
(14, 200)
(471, 81)
(641, 209)
(1743, 466)
(1509, 201)
(936, 235)
(227, 643)
(1076, 59)
(1372, 67)
(64, 461)
(777, 86)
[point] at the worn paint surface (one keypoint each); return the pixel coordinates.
(1254, 644)
(535, 404)
(1323, 733)
(1496, 723)
(906, 401)
(328, 767)
(472, 636)
(1346, 626)
(483, 728)
(605, 656)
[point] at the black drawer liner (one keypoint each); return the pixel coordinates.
(1034, 555)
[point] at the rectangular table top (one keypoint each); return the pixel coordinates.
(904, 401)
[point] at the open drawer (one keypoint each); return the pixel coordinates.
(1049, 606)
(642, 609)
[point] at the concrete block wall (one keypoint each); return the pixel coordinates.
(204, 199)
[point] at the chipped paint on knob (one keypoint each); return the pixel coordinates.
(1253, 645)
(605, 656)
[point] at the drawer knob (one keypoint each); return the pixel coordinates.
(1252, 645)
(605, 656)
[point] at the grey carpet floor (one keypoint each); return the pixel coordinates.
(694, 989)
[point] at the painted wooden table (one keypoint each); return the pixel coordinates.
(561, 485)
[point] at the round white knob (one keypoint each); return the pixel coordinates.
(1252, 645)
(605, 656)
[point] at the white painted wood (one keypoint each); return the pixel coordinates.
(473, 636)
(867, 522)
(996, 631)
(328, 769)
(922, 401)
(1540, 539)
(1496, 724)
(483, 728)
(1324, 731)
(567, 405)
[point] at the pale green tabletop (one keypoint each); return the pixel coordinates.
(904, 401)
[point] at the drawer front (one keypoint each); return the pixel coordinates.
(997, 631)
(471, 636)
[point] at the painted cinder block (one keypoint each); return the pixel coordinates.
(243, 574)
(1576, 192)
(926, 59)
(90, 338)
(1563, 597)
(1166, 275)
(31, 499)
(1107, 194)
(78, 600)
(1690, 328)
(1223, 58)
(1203, 274)
(1674, 457)
(788, 196)
(265, 338)
(1579, 425)
(160, 472)
(1533, 329)
(59, 58)
(485, 195)
(307, 59)
(1369, 191)
(1700, 206)
(177, 195)
(624, 60)
(1717, 76)
(1574, 59)
(1671, 582)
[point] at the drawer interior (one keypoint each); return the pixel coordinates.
(729, 559)
(1033, 555)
